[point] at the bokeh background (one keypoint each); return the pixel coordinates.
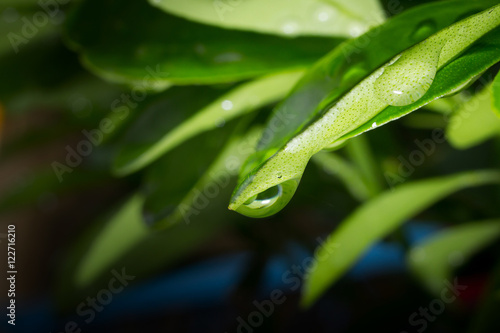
(86, 256)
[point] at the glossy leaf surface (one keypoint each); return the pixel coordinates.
(406, 83)
(495, 91)
(166, 129)
(434, 260)
(282, 17)
(474, 122)
(377, 218)
(132, 42)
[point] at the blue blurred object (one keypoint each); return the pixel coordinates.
(201, 285)
(210, 283)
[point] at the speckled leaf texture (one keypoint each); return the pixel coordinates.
(353, 90)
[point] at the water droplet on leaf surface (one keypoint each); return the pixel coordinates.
(409, 77)
(227, 105)
(290, 28)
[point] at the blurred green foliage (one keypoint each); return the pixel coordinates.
(176, 107)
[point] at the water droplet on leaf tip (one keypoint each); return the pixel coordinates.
(265, 199)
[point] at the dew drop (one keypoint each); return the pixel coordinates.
(409, 77)
(324, 13)
(265, 199)
(290, 28)
(356, 29)
(323, 16)
(227, 105)
(268, 201)
(423, 30)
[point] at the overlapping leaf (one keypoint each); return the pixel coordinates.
(123, 241)
(377, 218)
(183, 185)
(495, 91)
(133, 42)
(455, 76)
(179, 194)
(347, 174)
(282, 17)
(330, 108)
(158, 115)
(474, 122)
(434, 260)
(165, 129)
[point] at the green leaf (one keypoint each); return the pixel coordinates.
(124, 241)
(83, 97)
(443, 105)
(345, 172)
(495, 92)
(434, 260)
(282, 17)
(385, 95)
(43, 183)
(361, 154)
(474, 122)
(344, 67)
(173, 177)
(180, 187)
(45, 78)
(124, 230)
(181, 182)
(159, 115)
(129, 41)
(244, 98)
(378, 218)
